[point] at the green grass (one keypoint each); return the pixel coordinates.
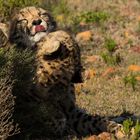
(93, 17)
(110, 45)
(127, 125)
(132, 129)
(137, 130)
(131, 80)
(60, 8)
(9, 6)
(109, 56)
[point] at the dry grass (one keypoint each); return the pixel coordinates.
(108, 95)
(104, 91)
(7, 126)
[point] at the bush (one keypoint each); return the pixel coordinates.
(127, 125)
(18, 66)
(7, 127)
(109, 56)
(91, 17)
(131, 80)
(132, 129)
(110, 45)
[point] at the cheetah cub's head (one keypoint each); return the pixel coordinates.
(31, 24)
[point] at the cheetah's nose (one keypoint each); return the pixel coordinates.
(36, 22)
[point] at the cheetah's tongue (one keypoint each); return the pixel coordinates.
(39, 28)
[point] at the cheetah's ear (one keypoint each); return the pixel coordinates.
(53, 50)
(52, 46)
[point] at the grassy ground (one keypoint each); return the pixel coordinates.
(110, 51)
(104, 90)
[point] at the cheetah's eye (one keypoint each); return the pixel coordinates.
(44, 14)
(23, 21)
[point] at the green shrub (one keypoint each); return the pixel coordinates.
(130, 79)
(4, 64)
(91, 17)
(23, 67)
(109, 59)
(137, 130)
(132, 129)
(109, 56)
(127, 126)
(7, 102)
(60, 8)
(7, 99)
(110, 44)
(18, 63)
(19, 66)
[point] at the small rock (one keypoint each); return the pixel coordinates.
(134, 68)
(105, 136)
(135, 49)
(120, 135)
(90, 73)
(138, 18)
(92, 58)
(93, 138)
(102, 136)
(108, 71)
(84, 36)
(138, 78)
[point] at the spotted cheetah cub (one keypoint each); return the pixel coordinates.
(58, 68)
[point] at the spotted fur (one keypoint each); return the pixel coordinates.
(58, 68)
(54, 83)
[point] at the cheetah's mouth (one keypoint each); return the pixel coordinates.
(38, 32)
(43, 27)
(39, 28)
